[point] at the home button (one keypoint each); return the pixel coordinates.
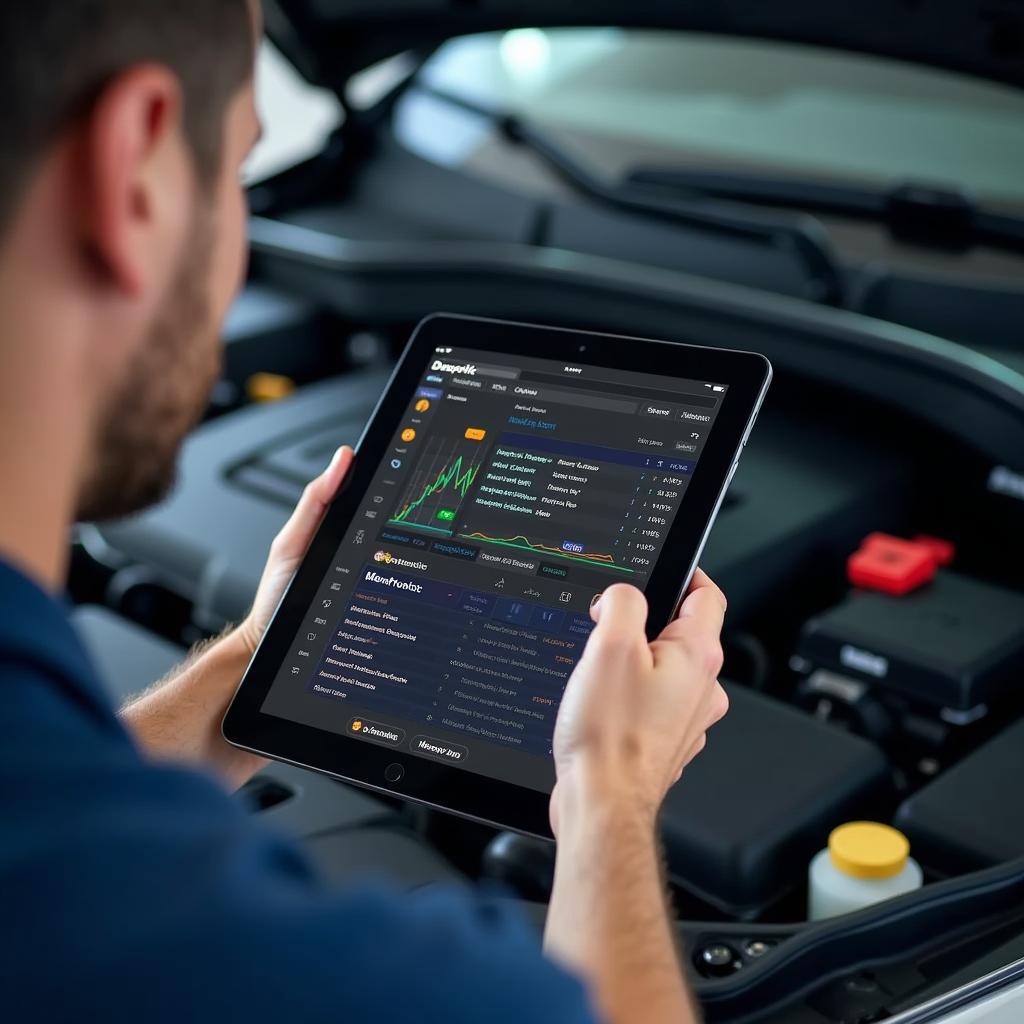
(394, 772)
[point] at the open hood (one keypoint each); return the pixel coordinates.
(330, 40)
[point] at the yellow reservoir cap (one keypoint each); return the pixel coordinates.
(868, 849)
(269, 387)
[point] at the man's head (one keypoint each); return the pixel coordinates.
(123, 127)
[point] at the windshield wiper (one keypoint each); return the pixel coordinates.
(915, 212)
(801, 235)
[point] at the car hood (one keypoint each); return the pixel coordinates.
(330, 40)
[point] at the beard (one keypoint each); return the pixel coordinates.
(161, 397)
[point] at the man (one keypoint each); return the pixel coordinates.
(131, 886)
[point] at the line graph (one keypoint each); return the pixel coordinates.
(606, 561)
(438, 488)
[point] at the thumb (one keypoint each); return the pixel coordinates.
(621, 615)
(318, 494)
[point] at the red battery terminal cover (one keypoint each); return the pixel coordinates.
(943, 550)
(897, 566)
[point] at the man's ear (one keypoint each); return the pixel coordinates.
(137, 183)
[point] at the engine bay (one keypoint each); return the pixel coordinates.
(869, 547)
(847, 703)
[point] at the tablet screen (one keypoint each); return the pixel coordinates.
(514, 491)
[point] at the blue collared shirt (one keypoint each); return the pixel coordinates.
(131, 891)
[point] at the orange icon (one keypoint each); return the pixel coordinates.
(475, 434)
(357, 725)
(422, 405)
(408, 434)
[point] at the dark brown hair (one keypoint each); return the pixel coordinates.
(56, 56)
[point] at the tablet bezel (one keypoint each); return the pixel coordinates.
(458, 790)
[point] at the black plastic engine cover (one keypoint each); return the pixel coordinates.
(955, 643)
(971, 816)
(742, 826)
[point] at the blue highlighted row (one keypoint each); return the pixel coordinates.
(595, 452)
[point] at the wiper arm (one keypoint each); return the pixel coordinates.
(801, 235)
(920, 213)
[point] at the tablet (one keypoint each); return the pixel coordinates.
(509, 474)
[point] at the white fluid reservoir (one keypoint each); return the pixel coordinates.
(865, 862)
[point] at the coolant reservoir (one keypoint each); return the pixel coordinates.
(865, 862)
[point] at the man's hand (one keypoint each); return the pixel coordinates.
(179, 718)
(290, 545)
(634, 714)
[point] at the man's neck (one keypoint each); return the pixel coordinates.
(50, 380)
(44, 436)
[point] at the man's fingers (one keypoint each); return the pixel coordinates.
(703, 609)
(719, 704)
(702, 588)
(294, 538)
(326, 485)
(702, 580)
(697, 629)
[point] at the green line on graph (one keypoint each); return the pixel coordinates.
(420, 526)
(450, 475)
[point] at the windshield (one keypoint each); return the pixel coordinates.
(748, 106)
